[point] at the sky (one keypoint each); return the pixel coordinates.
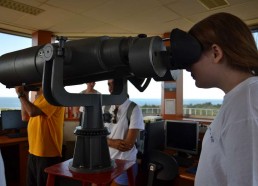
(10, 43)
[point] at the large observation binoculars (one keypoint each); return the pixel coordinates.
(101, 58)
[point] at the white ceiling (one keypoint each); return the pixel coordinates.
(81, 18)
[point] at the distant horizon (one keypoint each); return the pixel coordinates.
(141, 98)
(14, 102)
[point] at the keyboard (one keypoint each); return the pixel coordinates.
(192, 170)
(16, 135)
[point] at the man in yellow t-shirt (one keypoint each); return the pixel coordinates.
(45, 135)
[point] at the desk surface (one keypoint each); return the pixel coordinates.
(184, 178)
(185, 175)
(4, 140)
(9, 146)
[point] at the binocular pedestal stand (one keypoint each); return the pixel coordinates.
(91, 152)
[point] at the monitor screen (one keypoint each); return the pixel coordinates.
(154, 136)
(11, 119)
(182, 136)
(154, 139)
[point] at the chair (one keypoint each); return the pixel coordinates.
(154, 158)
(163, 168)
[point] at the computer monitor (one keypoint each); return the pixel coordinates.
(11, 120)
(154, 139)
(182, 136)
(154, 136)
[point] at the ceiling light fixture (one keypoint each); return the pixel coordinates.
(213, 4)
(21, 7)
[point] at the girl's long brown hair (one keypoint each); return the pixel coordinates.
(233, 36)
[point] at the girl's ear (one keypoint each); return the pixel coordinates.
(217, 52)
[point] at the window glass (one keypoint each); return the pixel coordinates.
(10, 43)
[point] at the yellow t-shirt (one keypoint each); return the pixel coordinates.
(45, 132)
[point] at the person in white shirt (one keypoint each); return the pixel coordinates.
(229, 61)
(122, 137)
(89, 90)
(2, 171)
